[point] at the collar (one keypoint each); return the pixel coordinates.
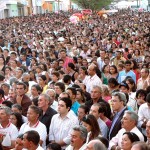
(35, 125)
(8, 125)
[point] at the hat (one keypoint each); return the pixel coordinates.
(124, 84)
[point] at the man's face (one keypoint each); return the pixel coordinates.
(62, 109)
(11, 94)
(81, 113)
(95, 93)
(62, 55)
(20, 90)
(102, 54)
(128, 67)
(143, 74)
(116, 103)
(91, 70)
(148, 129)
(18, 74)
(94, 111)
(57, 90)
(3, 116)
(126, 121)
(76, 140)
(71, 94)
(42, 102)
(25, 142)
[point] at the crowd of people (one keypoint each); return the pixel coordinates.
(83, 86)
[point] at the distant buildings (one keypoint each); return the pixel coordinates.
(11, 8)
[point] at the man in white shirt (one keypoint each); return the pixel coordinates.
(78, 138)
(62, 122)
(144, 114)
(129, 122)
(34, 124)
(7, 128)
(92, 79)
(100, 60)
(31, 141)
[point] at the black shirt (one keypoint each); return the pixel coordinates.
(46, 118)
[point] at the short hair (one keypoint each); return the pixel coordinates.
(7, 110)
(35, 101)
(103, 140)
(38, 88)
(35, 109)
(19, 107)
(121, 97)
(61, 85)
(127, 62)
(33, 136)
(98, 87)
(46, 96)
(24, 85)
(141, 92)
(99, 146)
(56, 73)
(71, 65)
(43, 77)
(67, 101)
(7, 103)
(50, 90)
(85, 108)
(114, 81)
(53, 146)
(73, 90)
(82, 130)
(133, 115)
(142, 145)
(66, 78)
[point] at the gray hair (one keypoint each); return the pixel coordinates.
(99, 146)
(82, 130)
(98, 87)
(121, 97)
(7, 110)
(50, 90)
(47, 97)
(133, 115)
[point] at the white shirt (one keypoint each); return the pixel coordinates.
(81, 148)
(39, 127)
(39, 148)
(11, 129)
(91, 81)
(143, 113)
(100, 63)
(118, 138)
(60, 129)
(54, 105)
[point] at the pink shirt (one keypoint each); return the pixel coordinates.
(67, 60)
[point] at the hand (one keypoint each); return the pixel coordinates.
(19, 99)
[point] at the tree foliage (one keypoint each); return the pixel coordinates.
(92, 4)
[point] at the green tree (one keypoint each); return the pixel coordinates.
(92, 4)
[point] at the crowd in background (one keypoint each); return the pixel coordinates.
(83, 86)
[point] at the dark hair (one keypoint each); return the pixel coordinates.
(61, 85)
(19, 119)
(33, 136)
(141, 92)
(85, 108)
(102, 108)
(114, 81)
(132, 136)
(38, 88)
(73, 90)
(67, 101)
(85, 69)
(133, 83)
(43, 77)
(103, 69)
(104, 141)
(148, 98)
(135, 65)
(71, 65)
(35, 101)
(92, 121)
(54, 146)
(82, 94)
(19, 107)
(116, 71)
(21, 83)
(127, 62)
(66, 78)
(2, 92)
(7, 103)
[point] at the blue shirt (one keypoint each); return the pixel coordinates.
(75, 107)
(123, 74)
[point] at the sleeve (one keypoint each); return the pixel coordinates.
(51, 135)
(21, 131)
(14, 134)
(114, 141)
(43, 134)
(141, 116)
(72, 124)
(119, 78)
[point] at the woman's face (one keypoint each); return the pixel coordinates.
(87, 126)
(1, 61)
(126, 143)
(7, 71)
(129, 84)
(13, 119)
(78, 96)
(106, 68)
(40, 81)
(81, 71)
(112, 70)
